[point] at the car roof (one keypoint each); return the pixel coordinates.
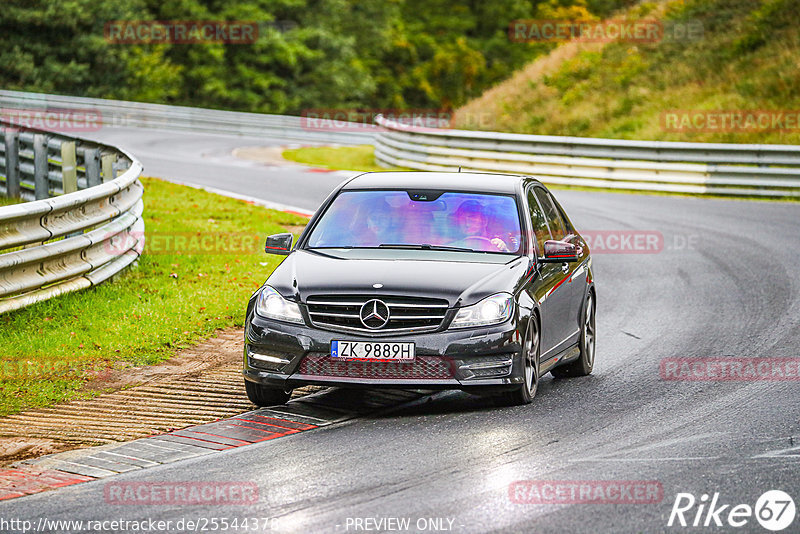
(451, 181)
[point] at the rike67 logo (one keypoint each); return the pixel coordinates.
(774, 510)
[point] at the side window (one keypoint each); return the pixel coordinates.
(540, 230)
(557, 226)
(560, 209)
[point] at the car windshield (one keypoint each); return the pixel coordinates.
(457, 221)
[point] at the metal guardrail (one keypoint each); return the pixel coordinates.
(118, 113)
(89, 230)
(700, 168)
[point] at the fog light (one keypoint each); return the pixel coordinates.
(268, 361)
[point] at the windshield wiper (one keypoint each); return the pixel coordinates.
(425, 246)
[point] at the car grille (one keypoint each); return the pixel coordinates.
(422, 368)
(406, 314)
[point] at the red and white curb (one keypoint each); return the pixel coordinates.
(297, 416)
(27, 480)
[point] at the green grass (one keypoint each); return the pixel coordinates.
(745, 60)
(5, 201)
(175, 297)
(349, 158)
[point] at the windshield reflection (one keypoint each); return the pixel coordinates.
(471, 222)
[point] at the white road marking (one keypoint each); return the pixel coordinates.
(780, 453)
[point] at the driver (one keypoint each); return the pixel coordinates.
(375, 228)
(472, 222)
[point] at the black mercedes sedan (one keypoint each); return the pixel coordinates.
(425, 280)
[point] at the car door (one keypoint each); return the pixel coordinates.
(578, 269)
(561, 294)
(550, 274)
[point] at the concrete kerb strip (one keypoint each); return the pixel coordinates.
(252, 200)
(297, 416)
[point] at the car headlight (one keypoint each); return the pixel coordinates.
(272, 305)
(491, 310)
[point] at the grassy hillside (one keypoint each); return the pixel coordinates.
(748, 58)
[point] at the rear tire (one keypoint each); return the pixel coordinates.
(585, 363)
(530, 352)
(265, 395)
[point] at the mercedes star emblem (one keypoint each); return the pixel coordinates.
(374, 314)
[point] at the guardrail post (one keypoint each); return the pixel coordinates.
(40, 167)
(69, 170)
(107, 164)
(12, 164)
(91, 161)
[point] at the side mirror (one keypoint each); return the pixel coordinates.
(279, 244)
(560, 252)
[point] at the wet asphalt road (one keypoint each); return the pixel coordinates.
(727, 283)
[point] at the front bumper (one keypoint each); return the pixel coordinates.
(287, 355)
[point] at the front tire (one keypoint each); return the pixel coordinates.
(585, 363)
(261, 395)
(530, 358)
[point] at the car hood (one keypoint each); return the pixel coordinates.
(450, 276)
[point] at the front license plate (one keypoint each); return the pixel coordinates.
(372, 350)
